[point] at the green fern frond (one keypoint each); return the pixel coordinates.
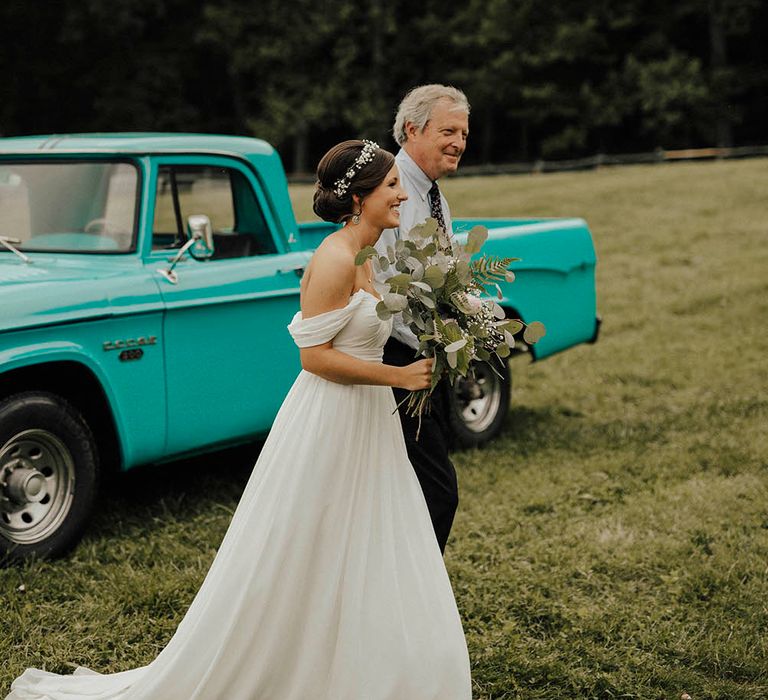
(490, 269)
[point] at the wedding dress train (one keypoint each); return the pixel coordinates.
(329, 584)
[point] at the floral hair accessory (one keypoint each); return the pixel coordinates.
(341, 185)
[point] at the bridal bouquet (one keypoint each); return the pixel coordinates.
(443, 296)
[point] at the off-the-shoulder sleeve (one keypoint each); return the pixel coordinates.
(323, 327)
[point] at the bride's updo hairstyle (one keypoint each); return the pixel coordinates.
(341, 174)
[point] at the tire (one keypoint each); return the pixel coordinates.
(48, 475)
(476, 409)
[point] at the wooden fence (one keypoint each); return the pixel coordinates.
(591, 162)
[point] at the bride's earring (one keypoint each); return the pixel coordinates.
(356, 202)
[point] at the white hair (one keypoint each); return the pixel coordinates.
(418, 103)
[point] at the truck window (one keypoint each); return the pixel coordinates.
(222, 194)
(70, 207)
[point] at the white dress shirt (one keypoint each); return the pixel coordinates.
(414, 210)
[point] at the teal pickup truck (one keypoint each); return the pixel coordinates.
(146, 281)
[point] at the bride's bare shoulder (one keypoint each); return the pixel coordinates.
(333, 256)
(330, 276)
(334, 246)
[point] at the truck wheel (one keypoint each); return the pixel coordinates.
(476, 408)
(48, 475)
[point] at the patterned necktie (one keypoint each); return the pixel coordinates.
(436, 206)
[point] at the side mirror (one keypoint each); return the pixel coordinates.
(200, 231)
(199, 245)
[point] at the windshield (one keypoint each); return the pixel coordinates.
(83, 207)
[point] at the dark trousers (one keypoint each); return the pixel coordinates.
(428, 454)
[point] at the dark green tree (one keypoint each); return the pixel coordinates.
(546, 79)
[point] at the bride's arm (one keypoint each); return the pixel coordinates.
(328, 363)
(329, 287)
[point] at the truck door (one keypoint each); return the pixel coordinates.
(229, 357)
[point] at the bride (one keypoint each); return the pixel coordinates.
(329, 584)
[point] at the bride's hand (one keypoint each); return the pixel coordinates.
(417, 375)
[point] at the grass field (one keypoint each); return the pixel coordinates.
(613, 543)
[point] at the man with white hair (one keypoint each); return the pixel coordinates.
(431, 127)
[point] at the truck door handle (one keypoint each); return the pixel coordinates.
(299, 270)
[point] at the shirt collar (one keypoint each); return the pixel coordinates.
(422, 183)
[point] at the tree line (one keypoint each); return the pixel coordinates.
(546, 78)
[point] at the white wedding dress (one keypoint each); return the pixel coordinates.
(329, 584)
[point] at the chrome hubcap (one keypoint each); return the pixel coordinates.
(25, 484)
(37, 485)
(478, 400)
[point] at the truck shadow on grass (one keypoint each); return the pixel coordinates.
(149, 499)
(154, 497)
(144, 498)
(531, 430)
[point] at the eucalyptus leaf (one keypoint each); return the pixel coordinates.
(482, 354)
(443, 262)
(429, 228)
(383, 263)
(511, 325)
(498, 312)
(426, 300)
(412, 261)
(395, 302)
(364, 254)
(456, 346)
(424, 232)
(509, 276)
(416, 231)
(383, 312)
(450, 330)
(421, 285)
(534, 332)
(399, 283)
(502, 350)
(434, 277)
(391, 253)
(452, 358)
(463, 360)
(509, 338)
(476, 238)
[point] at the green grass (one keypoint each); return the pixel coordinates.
(613, 543)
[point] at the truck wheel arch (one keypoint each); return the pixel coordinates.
(77, 384)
